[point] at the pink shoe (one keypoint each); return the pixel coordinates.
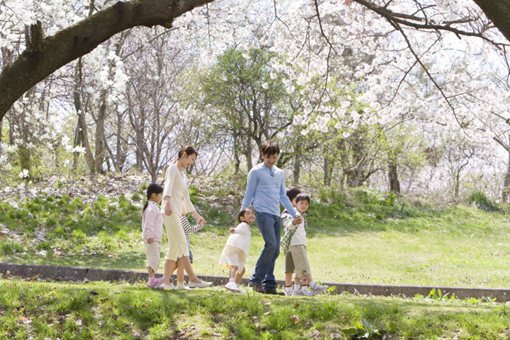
(154, 282)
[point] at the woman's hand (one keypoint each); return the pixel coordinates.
(232, 230)
(168, 207)
(199, 219)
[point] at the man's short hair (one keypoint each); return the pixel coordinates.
(270, 148)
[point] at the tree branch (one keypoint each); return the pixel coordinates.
(416, 22)
(77, 40)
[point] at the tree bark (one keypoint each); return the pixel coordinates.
(237, 159)
(248, 150)
(100, 149)
(498, 11)
(81, 137)
(506, 182)
(297, 163)
(393, 174)
(121, 145)
(43, 57)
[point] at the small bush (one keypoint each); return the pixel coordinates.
(9, 248)
(482, 202)
(136, 197)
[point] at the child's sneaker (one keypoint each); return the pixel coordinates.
(289, 291)
(303, 291)
(200, 284)
(318, 289)
(232, 286)
(154, 282)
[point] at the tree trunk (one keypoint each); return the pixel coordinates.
(25, 158)
(393, 175)
(121, 147)
(456, 184)
(100, 148)
(43, 56)
(498, 11)
(297, 162)
(328, 165)
(25, 153)
(5, 61)
(327, 177)
(237, 159)
(154, 176)
(248, 152)
(506, 182)
(139, 149)
(81, 137)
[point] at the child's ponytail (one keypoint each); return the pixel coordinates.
(153, 188)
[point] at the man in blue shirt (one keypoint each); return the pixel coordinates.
(265, 190)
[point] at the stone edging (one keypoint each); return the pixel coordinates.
(78, 274)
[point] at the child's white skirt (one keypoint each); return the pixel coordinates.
(233, 256)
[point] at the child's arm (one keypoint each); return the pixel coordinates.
(196, 228)
(150, 220)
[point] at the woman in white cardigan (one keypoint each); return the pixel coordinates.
(176, 199)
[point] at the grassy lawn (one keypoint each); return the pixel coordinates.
(103, 310)
(366, 243)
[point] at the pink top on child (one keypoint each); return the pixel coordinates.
(152, 222)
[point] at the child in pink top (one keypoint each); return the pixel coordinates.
(152, 231)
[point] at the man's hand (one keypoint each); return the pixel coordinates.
(297, 220)
(150, 240)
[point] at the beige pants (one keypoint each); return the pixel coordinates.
(296, 261)
(177, 245)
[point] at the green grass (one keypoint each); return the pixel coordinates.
(364, 239)
(103, 310)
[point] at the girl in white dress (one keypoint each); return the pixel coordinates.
(236, 250)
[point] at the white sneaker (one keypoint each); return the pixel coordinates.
(303, 291)
(319, 289)
(182, 286)
(167, 287)
(289, 291)
(232, 286)
(201, 284)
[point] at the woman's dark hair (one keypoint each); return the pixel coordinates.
(188, 150)
(153, 188)
(292, 193)
(241, 214)
(270, 148)
(303, 197)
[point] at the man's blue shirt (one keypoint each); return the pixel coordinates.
(266, 190)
